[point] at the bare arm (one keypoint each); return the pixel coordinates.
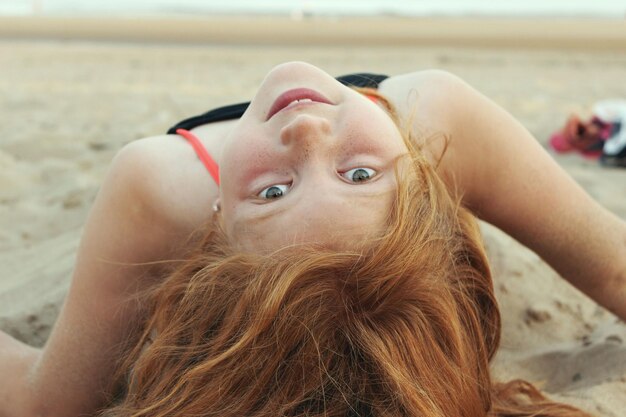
(128, 224)
(509, 180)
(518, 187)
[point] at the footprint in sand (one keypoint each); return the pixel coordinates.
(572, 366)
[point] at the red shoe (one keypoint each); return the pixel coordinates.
(587, 138)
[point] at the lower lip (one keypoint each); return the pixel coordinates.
(288, 97)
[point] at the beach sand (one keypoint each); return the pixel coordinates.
(68, 105)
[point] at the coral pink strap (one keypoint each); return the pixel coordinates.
(202, 153)
(373, 98)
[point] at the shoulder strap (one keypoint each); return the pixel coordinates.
(202, 153)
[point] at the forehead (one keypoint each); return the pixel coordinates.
(335, 222)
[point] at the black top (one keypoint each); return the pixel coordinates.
(235, 111)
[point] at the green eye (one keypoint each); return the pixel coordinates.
(359, 174)
(274, 191)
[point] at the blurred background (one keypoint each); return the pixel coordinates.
(299, 8)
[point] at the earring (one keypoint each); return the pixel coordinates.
(216, 207)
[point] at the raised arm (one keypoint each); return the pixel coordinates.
(128, 224)
(509, 180)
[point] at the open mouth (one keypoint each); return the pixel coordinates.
(296, 97)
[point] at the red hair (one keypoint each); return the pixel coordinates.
(404, 324)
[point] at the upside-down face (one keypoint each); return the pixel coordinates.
(311, 161)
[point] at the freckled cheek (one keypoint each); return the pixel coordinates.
(363, 119)
(243, 164)
(244, 149)
(244, 155)
(372, 137)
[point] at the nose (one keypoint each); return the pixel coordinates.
(307, 130)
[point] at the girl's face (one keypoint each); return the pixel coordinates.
(316, 171)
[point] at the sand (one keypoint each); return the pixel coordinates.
(67, 106)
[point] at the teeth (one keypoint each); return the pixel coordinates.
(303, 100)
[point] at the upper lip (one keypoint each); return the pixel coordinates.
(296, 94)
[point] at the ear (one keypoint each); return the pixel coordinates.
(217, 205)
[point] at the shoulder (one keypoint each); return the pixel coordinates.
(469, 137)
(433, 85)
(432, 99)
(164, 175)
(431, 104)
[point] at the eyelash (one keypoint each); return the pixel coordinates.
(371, 175)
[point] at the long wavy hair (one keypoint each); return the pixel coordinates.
(404, 324)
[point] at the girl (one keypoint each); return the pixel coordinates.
(324, 218)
